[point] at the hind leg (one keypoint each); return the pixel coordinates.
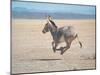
(68, 44)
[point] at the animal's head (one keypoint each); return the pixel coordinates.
(46, 28)
(49, 26)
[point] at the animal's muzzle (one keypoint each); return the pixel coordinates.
(43, 31)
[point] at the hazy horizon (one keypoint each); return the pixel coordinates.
(36, 10)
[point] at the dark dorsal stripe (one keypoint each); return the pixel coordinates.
(53, 23)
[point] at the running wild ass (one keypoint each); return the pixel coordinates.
(63, 34)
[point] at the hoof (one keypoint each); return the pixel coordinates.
(61, 52)
(54, 50)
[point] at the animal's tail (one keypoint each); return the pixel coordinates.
(79, 41)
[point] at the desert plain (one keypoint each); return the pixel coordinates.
(32, 50)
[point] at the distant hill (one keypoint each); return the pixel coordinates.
(23, 13)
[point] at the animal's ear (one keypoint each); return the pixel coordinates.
(48, 18)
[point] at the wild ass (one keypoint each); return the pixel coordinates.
(64, 34)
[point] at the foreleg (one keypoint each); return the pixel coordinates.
(54, 46)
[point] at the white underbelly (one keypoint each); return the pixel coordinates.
(62, 39)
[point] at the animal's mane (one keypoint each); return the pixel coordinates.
(53, 23)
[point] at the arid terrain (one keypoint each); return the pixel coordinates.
(32, 50)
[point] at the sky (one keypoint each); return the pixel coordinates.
(52, 8)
